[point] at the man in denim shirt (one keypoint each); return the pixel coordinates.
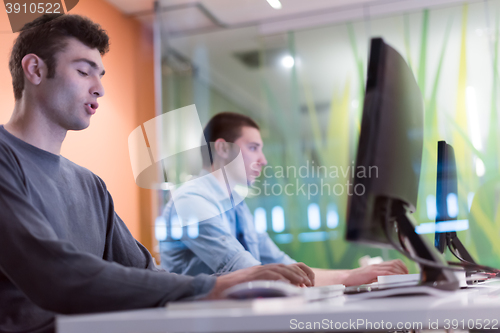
(221, 237)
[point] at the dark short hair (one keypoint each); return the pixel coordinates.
(227, 126)
(47, 35)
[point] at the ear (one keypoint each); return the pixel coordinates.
(34, 68)
(221, 148)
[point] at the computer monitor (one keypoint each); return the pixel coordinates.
(446, 186)
(390, 154)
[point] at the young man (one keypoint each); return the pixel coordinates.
(227, 241)
(63, 249)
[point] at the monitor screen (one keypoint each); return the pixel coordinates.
(390, 144)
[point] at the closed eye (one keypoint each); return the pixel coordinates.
(82, 73)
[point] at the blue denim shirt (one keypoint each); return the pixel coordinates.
(215, 249)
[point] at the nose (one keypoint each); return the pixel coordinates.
(97, 89)
(262, 159)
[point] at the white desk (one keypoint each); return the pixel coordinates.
(473, 306)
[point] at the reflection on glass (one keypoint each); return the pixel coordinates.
(278, 216)
(332, 216)
(260, 220)
(452, 204)
(160, 229)
(313, 216)
(192, 230)
(176, 228)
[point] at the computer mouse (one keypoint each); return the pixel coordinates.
(262, 289)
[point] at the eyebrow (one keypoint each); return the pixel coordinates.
(254, 143)
(91, 63)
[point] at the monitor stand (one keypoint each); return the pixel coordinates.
(460, 252)
(430, 276)
(433, 280)
(457, 248)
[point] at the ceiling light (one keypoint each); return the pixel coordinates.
(287, 61)
(276, 4)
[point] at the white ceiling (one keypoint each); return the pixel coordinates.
(186, 16)
(238, 11)
(190, 16)
(254, 25)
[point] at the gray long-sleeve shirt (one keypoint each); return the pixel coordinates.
(63, 249)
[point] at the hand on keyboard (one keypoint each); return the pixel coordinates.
(368, 274)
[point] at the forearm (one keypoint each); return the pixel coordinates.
(357, 276)
(324, 277)
(72, 282)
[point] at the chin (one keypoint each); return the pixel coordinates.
(78, 126)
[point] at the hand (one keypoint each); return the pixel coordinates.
(298, 274)
(369, 273)
(306, 269)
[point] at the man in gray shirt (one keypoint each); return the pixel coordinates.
(63, 249)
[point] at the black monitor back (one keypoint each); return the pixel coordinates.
(446, 183)
(390, 143)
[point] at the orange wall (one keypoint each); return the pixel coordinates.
(128, 101)
(6, 93)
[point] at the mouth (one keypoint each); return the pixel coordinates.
(91, 107)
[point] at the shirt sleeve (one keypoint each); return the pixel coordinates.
(215, 245)
(270, 252)
(121, 246)
(57, 277)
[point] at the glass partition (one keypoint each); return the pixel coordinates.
(305, 89)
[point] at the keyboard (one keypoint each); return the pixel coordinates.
(323, 292)
(366, 292)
